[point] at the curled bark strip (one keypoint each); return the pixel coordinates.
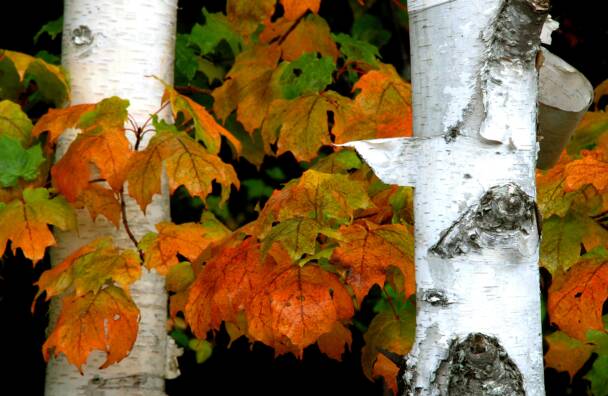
(500, 213)
(479, 365)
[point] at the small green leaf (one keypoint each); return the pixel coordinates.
(369, 28)
(561, 243)
(203, 349)
(180, 338)
(216, 28)
(48, 57)
(598, 376)
(356, 50)
(185, 58)
(306, 75)
(52, 86)
(10, 82)
(17, 162)
(52, 28)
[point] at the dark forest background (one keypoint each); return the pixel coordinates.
(248, 369)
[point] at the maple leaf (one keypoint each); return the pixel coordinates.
(188, 239)
(206, 128)
(361, 52)
(301, 125)
(56, 121)
(576, 297)
(50, 79)
(248, 87)
(215, 30)
(589, 132)
(382, 109)
(308, 35)
(17, 162)
(296, 8)
(100, 201)
(14, 123)
(224, 286)
(591, 169)
(391, 330)
(89, 268)
(298, 236)
(102, 143)
(105, 321)
(179, 277)
(561, 243)
(332, 344)
(306, 75)
(565, 353)
(24, 222)
(295, 306)
(327, 198)
(552, 198)
(367, 250)
(385, 368)
(187, 164)
(246, 15)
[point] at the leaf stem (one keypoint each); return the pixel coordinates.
(125, 223)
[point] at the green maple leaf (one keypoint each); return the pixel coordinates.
(17, 162)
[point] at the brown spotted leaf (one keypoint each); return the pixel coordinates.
(105, 321)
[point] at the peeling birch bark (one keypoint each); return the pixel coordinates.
(111, 47)
(472, 163)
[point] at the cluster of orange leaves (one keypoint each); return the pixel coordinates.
(296, 275)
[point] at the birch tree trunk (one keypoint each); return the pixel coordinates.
(112, 47)
(472, 162)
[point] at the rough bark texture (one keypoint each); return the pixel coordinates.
(111, 47)
(472, 162)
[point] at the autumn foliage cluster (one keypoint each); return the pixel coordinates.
(250, 87)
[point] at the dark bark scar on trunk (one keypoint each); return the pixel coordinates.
(502, 213)
(480, 366)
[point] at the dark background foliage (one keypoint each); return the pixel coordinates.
(244, 368)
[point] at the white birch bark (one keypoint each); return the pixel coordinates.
(472, 163)
(112, 47)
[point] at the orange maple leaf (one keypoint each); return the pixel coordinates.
(224, 286)
(188, 239)
(102, 143)
(296, 8)
(369, 249)
(56, 121)
(591, 169)
(105, 321)
(576, 298)
(295, 306)
(332, 344)
(24, 222)
(382, 109)
(187, 164)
